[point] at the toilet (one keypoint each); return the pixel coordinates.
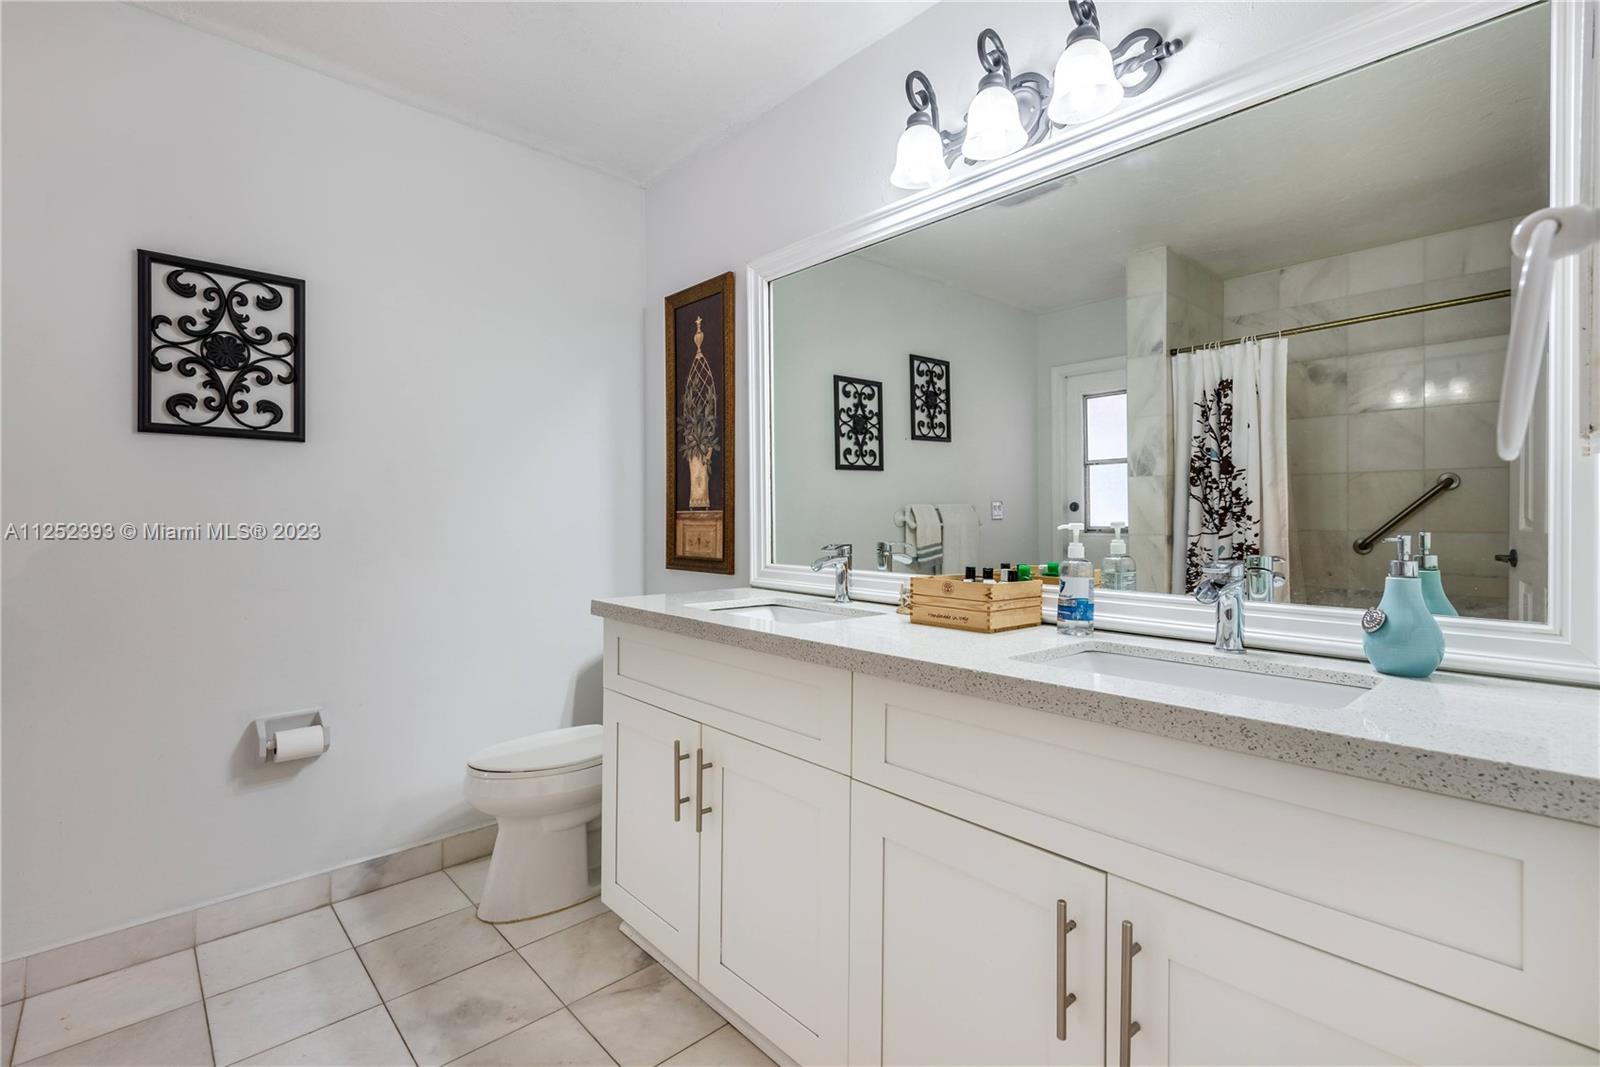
(543, 789)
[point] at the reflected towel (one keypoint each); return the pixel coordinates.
(960, 528)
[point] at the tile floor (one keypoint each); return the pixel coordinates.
(400, 975)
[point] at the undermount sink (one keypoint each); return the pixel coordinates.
(789, 612)
(1335, 690)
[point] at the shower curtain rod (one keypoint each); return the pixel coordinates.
(1437, 305)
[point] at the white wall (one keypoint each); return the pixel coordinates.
(1071, 335)
(473, 338)
(822, 158)
(859, 318)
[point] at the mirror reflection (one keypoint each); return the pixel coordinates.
(1281, 333)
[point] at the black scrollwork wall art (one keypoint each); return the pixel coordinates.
(221, 350)
(857, 424)
(930, 399)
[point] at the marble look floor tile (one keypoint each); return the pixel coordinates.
(12, 977)
(77, 1013)
(267, 1013)
(646, 1017)
(557, 1040)
(242, 958)
(583, 958)
(468, 846)
(380, 913)
(1322, 279)
(1480, 504)
(112, 952)
(466, 1011)
(1317, 387)
(1465, 372)
(1386, 267)
(385, 871)
(530, 930)
(469, 877)
(1375, 497)
(257, 909)
(429, 951)
(10, 1015)
(724, 1048)
(367, 1039)
(177, 1039)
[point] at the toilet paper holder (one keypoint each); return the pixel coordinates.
(270, 725)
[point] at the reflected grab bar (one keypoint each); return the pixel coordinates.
(1445, 483)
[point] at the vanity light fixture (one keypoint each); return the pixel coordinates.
(920, 158)
(1091, 79)
(1010, 113)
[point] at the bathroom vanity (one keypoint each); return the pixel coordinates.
(872, 842)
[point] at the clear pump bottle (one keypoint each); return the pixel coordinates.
(1118, 570)
(1075, 600)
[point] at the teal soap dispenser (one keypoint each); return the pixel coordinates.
(1428, 572)
(1401, 636)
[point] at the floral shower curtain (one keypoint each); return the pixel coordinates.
(1231, 485)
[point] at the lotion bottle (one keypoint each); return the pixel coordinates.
(1075, 599)
(1428, 571)
(1400, 636)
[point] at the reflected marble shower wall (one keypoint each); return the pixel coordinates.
(1172, 301)
(1377, 411)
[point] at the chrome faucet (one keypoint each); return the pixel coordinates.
(838, 558)
(1228, 583)
(889, 554)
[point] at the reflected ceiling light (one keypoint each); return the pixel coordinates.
(1010, 113)
(994, 121)
(919, 158)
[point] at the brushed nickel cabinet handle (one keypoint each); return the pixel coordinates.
(1130, 949)
(678, 801)
(1064, 1000)
(701, 809)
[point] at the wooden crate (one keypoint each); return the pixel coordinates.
(946, 600)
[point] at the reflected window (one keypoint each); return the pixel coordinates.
(1105, 459)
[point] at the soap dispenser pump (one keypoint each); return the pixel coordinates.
(1401, 636)
(1428, 571)
(1075, 598)
(1118, 570)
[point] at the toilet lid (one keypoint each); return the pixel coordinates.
(572, 746)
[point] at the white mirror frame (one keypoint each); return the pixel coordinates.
(1564, 648)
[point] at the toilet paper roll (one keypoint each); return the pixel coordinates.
(298, 743)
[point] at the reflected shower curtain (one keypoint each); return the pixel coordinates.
(1231, 484)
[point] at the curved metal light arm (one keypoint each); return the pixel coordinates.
(919, 91)
(992, 54)
(1142, 52)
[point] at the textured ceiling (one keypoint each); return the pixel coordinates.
(626, 88)
(1451, 134)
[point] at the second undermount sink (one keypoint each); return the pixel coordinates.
(789, 612)
(1331, 689)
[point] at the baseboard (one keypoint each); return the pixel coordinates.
(89, 957)
(757, 1039)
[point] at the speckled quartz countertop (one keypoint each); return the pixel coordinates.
(1514, 744)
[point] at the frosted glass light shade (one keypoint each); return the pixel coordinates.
(1085, 85)
(919, 159)
(994, 125)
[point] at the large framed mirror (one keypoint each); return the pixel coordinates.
(1278, 330)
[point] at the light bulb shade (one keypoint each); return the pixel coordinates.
(1085, 85)
(919, 159)
(994, 124)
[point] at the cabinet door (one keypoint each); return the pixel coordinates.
(775, 895)
(650, 854)
(967, 947)
(1204, 989)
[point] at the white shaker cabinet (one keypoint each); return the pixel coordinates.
(775, 895)
(650, 853)
(1189, 986)
(968, 947)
